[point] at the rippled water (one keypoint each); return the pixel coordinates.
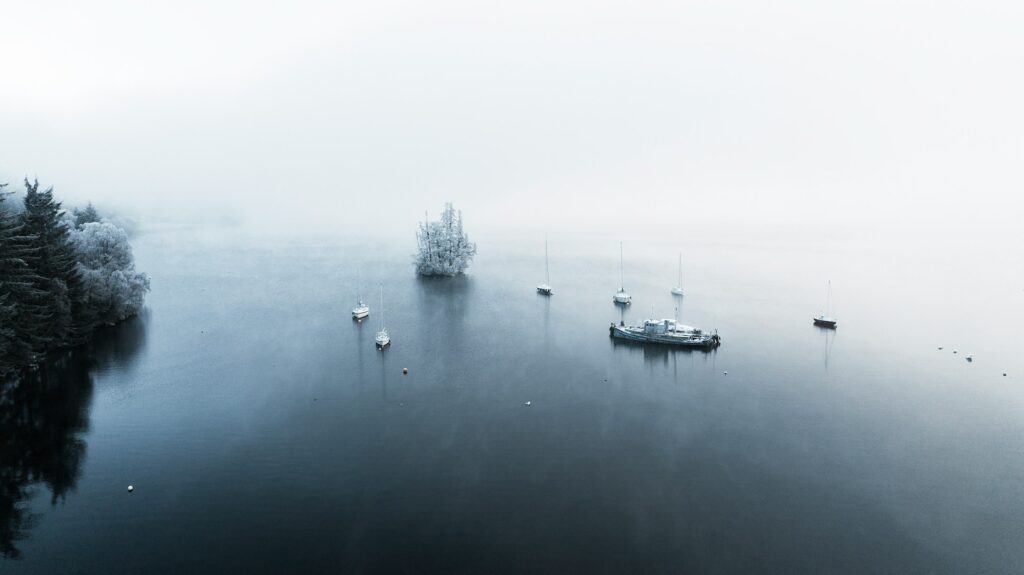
(263, 432)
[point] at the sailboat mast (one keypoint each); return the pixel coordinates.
(622, 276)
(547, 270)
(381, 307)
(680, 280)
(828, 299)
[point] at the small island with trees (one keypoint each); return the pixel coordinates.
(444, 248)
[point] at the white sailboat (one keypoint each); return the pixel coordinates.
(361, 310)
(383, 338)
(678, 290)
(545, 288)
(621, 297)
(826, 319)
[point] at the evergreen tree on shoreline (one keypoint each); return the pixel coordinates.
(56, 268)
(62, 275)
(21, 300)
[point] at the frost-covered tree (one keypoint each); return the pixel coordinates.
(112, 289)
(85, 215)
(444, 248)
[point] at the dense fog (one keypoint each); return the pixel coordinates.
(361, 116)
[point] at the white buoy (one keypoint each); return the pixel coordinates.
(131, 488)
(528, 403)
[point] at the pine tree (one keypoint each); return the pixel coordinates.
(21, 301)
(88, 215)
(62, 323)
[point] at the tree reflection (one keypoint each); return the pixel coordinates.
(43, 416)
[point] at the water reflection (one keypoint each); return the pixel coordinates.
(445, 297)
(830, 339)
(657, 354)
(43, 416)
(443, 307)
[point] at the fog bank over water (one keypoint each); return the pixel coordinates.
(533, 116)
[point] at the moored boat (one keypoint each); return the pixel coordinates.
(545, 288)
(361, 310)
(667, 332)
(826, 319)
(622, 297)
(678, 290)
(383, 338)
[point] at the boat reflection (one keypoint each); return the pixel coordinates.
(653, 353)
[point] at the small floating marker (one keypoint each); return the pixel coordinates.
(940, 348)
(954, 351)
(969, 357)
(1004, 374)
(405, 371)
(528, 403)
(725, 373)
(131, 488)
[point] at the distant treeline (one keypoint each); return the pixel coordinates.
(62, 275)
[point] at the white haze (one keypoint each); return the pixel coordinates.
(526, 114)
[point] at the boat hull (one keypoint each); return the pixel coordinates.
(831, 323)
(677, 291)
(705, 341)
(544, 290)
(360, 314)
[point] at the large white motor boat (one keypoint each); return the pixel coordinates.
(667, 332)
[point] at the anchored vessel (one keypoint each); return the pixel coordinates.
(666, 331)
(621, 297)
(678, 290)
(545, 288)
(826, 319)
(383, 339)
(361, 310)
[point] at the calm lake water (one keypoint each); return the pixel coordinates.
(263, 432)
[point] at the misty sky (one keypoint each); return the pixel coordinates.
(364, 114)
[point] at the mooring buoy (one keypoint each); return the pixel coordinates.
(131, 488)
(405, 370)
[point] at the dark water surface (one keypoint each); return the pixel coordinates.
(264, 433)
